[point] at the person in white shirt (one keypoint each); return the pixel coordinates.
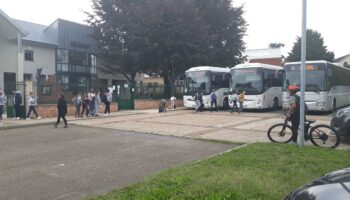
(173, 102)
(32, 104)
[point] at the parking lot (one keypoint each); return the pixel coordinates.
(241, 128)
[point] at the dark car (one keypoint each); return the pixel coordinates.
(341, 121)
(332, 186)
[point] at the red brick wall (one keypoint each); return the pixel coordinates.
(140, 104)
(50, 110)
(269, 61)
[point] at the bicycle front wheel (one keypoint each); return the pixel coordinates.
(324, 136)
(280, 133)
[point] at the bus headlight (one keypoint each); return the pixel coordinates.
(321, 104)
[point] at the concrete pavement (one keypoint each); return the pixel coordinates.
(246, 127)
(48, 163)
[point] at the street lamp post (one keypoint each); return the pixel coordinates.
(302, 75)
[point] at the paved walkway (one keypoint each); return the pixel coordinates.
(241, 128)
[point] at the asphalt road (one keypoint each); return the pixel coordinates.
(47, 163)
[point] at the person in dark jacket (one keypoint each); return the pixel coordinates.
(62, 110)
(17, 103)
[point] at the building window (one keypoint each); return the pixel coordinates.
(28, 55)
(27, 77)
(46, 90)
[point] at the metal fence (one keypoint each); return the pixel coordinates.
(157, 91)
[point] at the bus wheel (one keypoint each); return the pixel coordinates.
(225, 104)
(275, 104)
(334, 106)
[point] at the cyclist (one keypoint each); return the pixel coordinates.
(293, 112)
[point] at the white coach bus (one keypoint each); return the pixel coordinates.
(205, 79)
(327, 85)
(261, 83)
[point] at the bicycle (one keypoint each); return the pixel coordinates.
(320, 135)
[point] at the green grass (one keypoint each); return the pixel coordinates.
(258, 171)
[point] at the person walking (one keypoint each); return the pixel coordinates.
(108, 101)
(92, 108)
(196, 100)
(241, 100)
(97, 103)
(2, 105)
(62, 111)
(17, 103)
(76, 101)
(213, 100)
(32, 106)
(233, 100)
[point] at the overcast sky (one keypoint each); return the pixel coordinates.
(277, 21)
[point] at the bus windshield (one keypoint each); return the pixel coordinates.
(198, 80)
(315, 77)
(248, 80)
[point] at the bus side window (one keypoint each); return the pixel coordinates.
(330, 81)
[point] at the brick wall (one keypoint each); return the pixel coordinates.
(140, 104)
(50, 110)
(269, 61)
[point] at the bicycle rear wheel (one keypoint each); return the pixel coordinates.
(280, 133)
(324, 136)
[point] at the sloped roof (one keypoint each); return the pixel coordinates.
(36, 32)
(342, 58)
(9, 28)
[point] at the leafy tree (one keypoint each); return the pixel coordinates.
(276, 45)
(315, 49)
(167, 37)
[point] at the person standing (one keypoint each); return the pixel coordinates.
(97, 103)
(108, 101)
(32, 106)
(17, 103)
(233, 100)
(200, 100)
(293, 112)
(197, 101)
(241, 100)
(62, 111)
(76, 101)
(91, 97)
(2, 104)
(85, 102)
(213, 100)
(173, 102)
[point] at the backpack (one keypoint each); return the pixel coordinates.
(104, 98)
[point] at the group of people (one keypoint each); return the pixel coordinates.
(90, 103)
(237, 97)
(234, 97)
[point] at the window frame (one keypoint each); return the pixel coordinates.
(31, 58)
